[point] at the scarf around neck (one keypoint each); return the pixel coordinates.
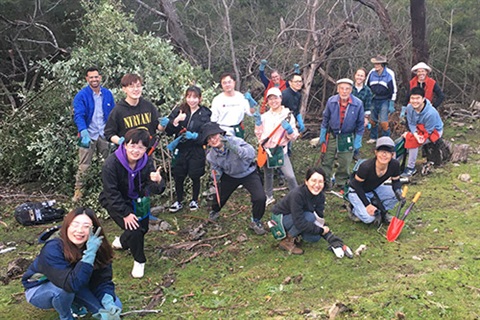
(121, 155)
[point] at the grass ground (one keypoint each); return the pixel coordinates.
(430, 272)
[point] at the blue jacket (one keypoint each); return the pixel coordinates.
(429, 117)
(52, 264)
(383, 86)
(354, 116)
(83, 106)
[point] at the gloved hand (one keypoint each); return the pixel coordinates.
(391, 106)
(296, 68)
(230, 146)
(190, 135)
(93, 243)
(400, 198)
(286, 125)
(173, 145)
(403, 113)
(121, 140)
(164, 121)
(250, 99)
(263, 63)
(109, 305)
(357, 142)
(323, 136)
(104, 314)
(301, 125)
(85, 137)
(258, 118)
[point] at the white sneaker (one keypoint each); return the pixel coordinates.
(116, 245)
(269, 201)
(193, 205)
(370, 141)
(138, 269)
(177, 206)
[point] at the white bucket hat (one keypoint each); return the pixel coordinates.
(421, 65)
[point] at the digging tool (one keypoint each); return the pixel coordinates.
(262, 152)
(400, 206)
(396, 226)
(215, 184)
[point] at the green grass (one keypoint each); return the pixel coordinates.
(430, 272)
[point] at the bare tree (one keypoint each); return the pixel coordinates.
(418, 15)
(228, 29)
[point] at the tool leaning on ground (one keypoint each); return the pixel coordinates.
(397, 223)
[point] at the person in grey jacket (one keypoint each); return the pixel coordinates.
(233, 163)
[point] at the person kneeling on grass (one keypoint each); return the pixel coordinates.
(74, 271)
(233, 163)
(301, 212)
(369, 198)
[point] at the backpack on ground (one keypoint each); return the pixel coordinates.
(437, 152)
(34, 213)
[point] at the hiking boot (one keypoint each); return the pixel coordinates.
(138, 269)
(370, 141)
(408, 172)
(348, 252)
(288, 244)
(338, 251)
(116, 244)
(269, 201)
(351, 215)
(177, 206)
(213, 215)
(257, 227)
(193, 205)
(77, 195)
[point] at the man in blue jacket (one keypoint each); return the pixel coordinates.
(91, 107)
(342, 130)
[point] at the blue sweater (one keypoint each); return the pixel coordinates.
(52, 264)
(83, 106)
(353, 121)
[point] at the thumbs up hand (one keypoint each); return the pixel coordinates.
(155, 176)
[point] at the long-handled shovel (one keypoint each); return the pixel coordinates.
(396, 225)
(215, 184)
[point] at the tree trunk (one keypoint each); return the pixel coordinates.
(228, 27)
(419, 31)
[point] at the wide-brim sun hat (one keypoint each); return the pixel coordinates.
(345, 80)
(208, 129)
(421, 65)
(379, 59)
(274, 91)
(385, 143)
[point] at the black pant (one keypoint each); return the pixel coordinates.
(252, 183)
(134, 239)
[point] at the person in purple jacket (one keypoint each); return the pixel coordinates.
(74, 270)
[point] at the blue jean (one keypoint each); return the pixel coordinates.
(293, 231)
(48, 296)
(379, 114)
(413, 153)
(287, 170)
(386, 195)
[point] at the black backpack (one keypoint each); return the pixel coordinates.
(437, 152)
(33, 213)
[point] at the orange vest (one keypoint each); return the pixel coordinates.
(283, 86)
(429, 84)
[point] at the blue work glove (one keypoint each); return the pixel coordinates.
(190, 135)
(323, 136)
(286, 125)
(357, 142)
(403, 113)
(263, 63)
(85, 137)
(121, 140)
(391, 106)
(301, 125)
(164, 121)
(173, 145)
(109, 305)
(258, 118)
(296, 68)
(104, 314)
(250, 99)
(93, 243)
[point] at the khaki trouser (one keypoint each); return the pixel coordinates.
(85, 158)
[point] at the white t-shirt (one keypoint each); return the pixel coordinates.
(229, 111)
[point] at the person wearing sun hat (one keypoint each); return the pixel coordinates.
(341, 130)
(381, 81)
(431, 87)
(232, 161)
(369, 198)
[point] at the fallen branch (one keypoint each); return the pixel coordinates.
(439, 247)
(190, 244)
(473, 288)
(128, 313)
(193, 256)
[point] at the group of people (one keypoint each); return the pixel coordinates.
(73, 271)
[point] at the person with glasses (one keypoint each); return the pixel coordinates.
(185, 122)
(73, 272)
(129, 178)
(131, 112)
(230, 107)
(91, 107)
